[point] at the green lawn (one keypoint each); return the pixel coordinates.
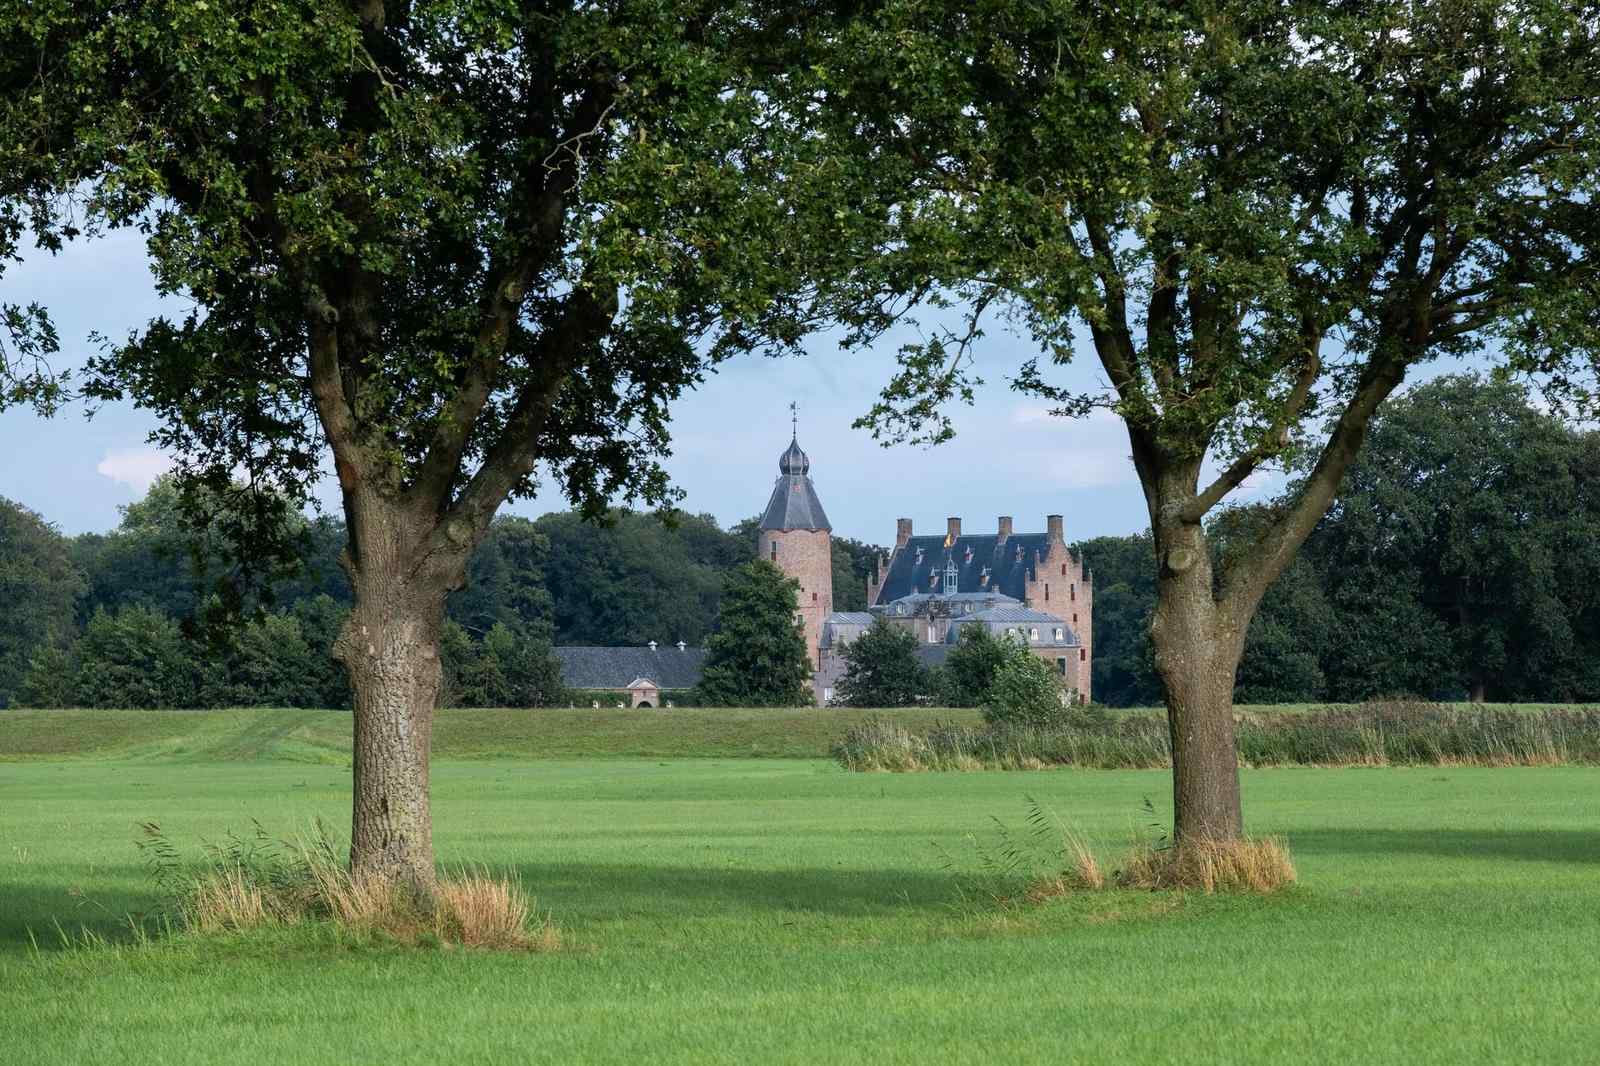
(747, 910)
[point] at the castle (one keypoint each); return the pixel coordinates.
(1027, 586)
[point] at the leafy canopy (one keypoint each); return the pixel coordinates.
(757, 657)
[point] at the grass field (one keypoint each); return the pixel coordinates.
(751, 910)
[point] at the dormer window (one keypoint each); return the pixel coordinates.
(1059, 636)
(951, 577)
(1033, 634)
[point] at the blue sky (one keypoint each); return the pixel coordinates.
(1009, 457)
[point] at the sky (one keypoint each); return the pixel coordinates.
(1010, 456)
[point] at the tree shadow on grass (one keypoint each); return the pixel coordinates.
(603, 890)
(1535, 845)
(588, 891)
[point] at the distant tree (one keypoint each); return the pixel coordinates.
(757, 657)
(1123, 670)
(505, 581)
(853, 562)
(321, 617)
(1282, 660)
(882, 669)
(265, 663)
(1486, 512)
(51, 680)
(134, 657)
(634, 578)
(39, 587)
(969, 668)
(1025, 690)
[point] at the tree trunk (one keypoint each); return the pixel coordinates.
(390, 647)
(1197, 648)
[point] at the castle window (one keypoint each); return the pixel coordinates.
(813, 597)
(1063, 569)
(1083, 655)
(1074, 617)
(774, 554)
(1072, 590)
(1047, 592)
(1033, 634)
(951, 577)
(932, 639)
(1061, 665)
(1059, 636)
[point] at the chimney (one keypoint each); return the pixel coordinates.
(682, 646)
(1053, 526)
(1005, 527)
(652, 645)
(954, 531)
(902, 532)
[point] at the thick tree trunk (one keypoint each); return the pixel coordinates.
(390, 647)
(1197, 648)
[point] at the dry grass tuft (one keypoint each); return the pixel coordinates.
(1250, 865)
(477, 910)
(258, 888)
(228, 900)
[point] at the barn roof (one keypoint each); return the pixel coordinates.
(618, 668)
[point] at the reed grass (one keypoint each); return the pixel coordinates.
(1380, 733)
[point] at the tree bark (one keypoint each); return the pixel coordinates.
(390, 648)
(1197, 645)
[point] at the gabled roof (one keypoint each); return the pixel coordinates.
(620, 668)
(1009, 562)
(1019, 616)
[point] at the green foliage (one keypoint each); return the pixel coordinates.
(757, 657)
(506, 584)
(882, 669)
(853, 562)
(134, 657)
(1123, 668)
(969, 669)
(634, 578)
(1025, 690)
(39, 586)
(508, 668)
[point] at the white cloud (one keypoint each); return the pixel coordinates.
(137, 468)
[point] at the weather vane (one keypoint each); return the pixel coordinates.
(794, 420)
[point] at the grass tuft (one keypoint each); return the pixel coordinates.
(1260, 865)
(259, 884)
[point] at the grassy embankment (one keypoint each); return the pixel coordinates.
(753, 910)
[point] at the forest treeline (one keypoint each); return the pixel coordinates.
(121, 619)
(1461, 560)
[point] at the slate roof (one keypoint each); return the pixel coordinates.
(794, 503)
(1008, 573)
(617, 668)
(851, 618)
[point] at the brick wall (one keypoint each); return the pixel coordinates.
(807, 556)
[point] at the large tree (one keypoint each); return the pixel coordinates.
(461, 248)
(1258, 214)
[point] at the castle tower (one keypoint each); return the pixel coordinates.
(796, 536)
